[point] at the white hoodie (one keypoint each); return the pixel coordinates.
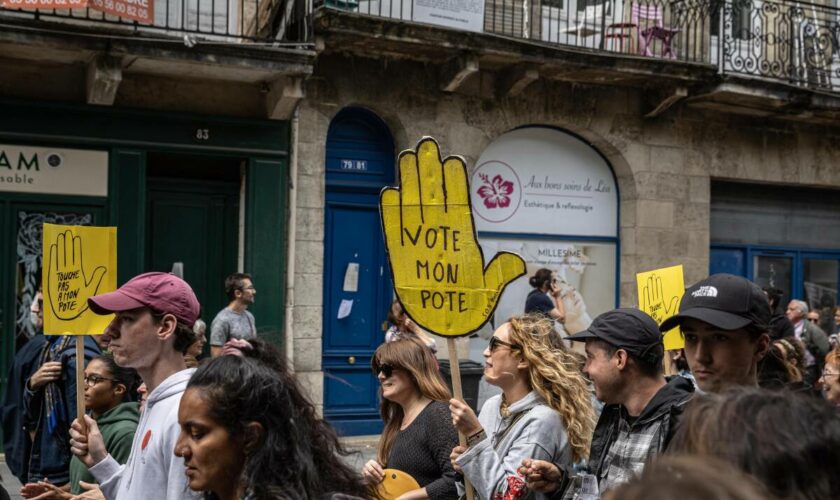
(152, 469)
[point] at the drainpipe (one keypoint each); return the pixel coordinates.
(291, 243)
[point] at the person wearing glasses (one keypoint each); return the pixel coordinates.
(545, 298)
(830, 380)
(544, 411)
(234, 321)
(418, 434)
(815, 340)
(108, 389)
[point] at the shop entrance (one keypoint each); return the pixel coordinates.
(192, 212)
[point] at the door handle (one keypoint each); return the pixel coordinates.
(351, 360)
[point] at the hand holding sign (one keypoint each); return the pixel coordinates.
(68, 285)
(437, 265)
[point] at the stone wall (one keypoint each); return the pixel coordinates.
(663, 165)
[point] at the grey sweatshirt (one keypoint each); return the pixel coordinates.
(538, 434)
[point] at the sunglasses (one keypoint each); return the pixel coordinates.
(384, 368)
(496, 342)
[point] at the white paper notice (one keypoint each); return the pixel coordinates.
(344, 308)
(351, 277)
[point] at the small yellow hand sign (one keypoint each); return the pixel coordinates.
(437, 265)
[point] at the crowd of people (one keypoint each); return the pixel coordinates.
(751, 410)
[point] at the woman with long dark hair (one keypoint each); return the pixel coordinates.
(248, 432)
(418, 435)
(545, 298)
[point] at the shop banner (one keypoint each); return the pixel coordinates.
(660, 292)
(440, 274)
(585, 273)
(25, 169)
(137, 10)
(79, 262)
(538, 180)
(466, 15)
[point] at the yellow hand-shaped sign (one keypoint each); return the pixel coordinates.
(659, 296)
(79, 262)
(437, 265)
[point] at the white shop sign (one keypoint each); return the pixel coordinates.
(544, 181)
(25, 169)
(467, 15)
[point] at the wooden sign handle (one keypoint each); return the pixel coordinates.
(80, 381)
(458, 393)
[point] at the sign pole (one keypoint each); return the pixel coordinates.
(80, 381)
(458, 393)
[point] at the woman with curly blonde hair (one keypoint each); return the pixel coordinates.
(544, 411)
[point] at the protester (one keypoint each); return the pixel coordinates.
(724, 321)
(418, 435)
(836, 313)
(788, 442)
(544, 412)
(689, 478)
(16, 441)
(545, 297)
(402, 326)
(234, 321)
(106, 389)
(780, 325)
(196, 349)
(249, 432)
(815, 340)
(830, 380)
(781, 368)
(152, 328)
(49, 400)
(624, 354)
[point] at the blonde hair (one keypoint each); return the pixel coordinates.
(556, 376)
(412, 356)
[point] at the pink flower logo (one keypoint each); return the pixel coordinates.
(495, 192)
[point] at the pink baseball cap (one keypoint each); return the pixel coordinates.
(163, 292)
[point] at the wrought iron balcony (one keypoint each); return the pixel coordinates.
(206, 21)
(781, 41)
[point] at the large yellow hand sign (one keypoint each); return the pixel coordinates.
(437, 265)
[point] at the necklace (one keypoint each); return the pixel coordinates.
(504, 408)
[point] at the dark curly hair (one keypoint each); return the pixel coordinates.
(298, 456)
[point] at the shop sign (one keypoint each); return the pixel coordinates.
(25, 169)
(543, 181)
(136, 10)
(466, 15)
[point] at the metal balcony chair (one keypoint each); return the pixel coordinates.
(650, 25)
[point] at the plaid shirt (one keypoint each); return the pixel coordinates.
(627, 455)
(621, 446)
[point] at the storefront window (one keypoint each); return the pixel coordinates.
(820, 282)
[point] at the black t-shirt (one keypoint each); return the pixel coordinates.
(538, 302)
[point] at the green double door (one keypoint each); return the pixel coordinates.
(193, 223)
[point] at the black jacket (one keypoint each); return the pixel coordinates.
(664, 409)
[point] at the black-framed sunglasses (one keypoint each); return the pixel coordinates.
(496, 342)
(92, 380)
(383, 368)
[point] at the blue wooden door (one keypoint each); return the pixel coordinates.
(357, 282)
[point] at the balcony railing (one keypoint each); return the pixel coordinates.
(780, 40)
(214, 21)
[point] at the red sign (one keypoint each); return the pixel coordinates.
(137, 10)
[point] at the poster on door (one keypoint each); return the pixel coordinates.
(585, 272)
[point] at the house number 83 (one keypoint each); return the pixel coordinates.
(202, 134)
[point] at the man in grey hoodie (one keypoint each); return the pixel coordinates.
(624, 354)
(154, 315)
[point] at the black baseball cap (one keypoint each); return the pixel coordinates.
(628, 329)
(724, 301)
